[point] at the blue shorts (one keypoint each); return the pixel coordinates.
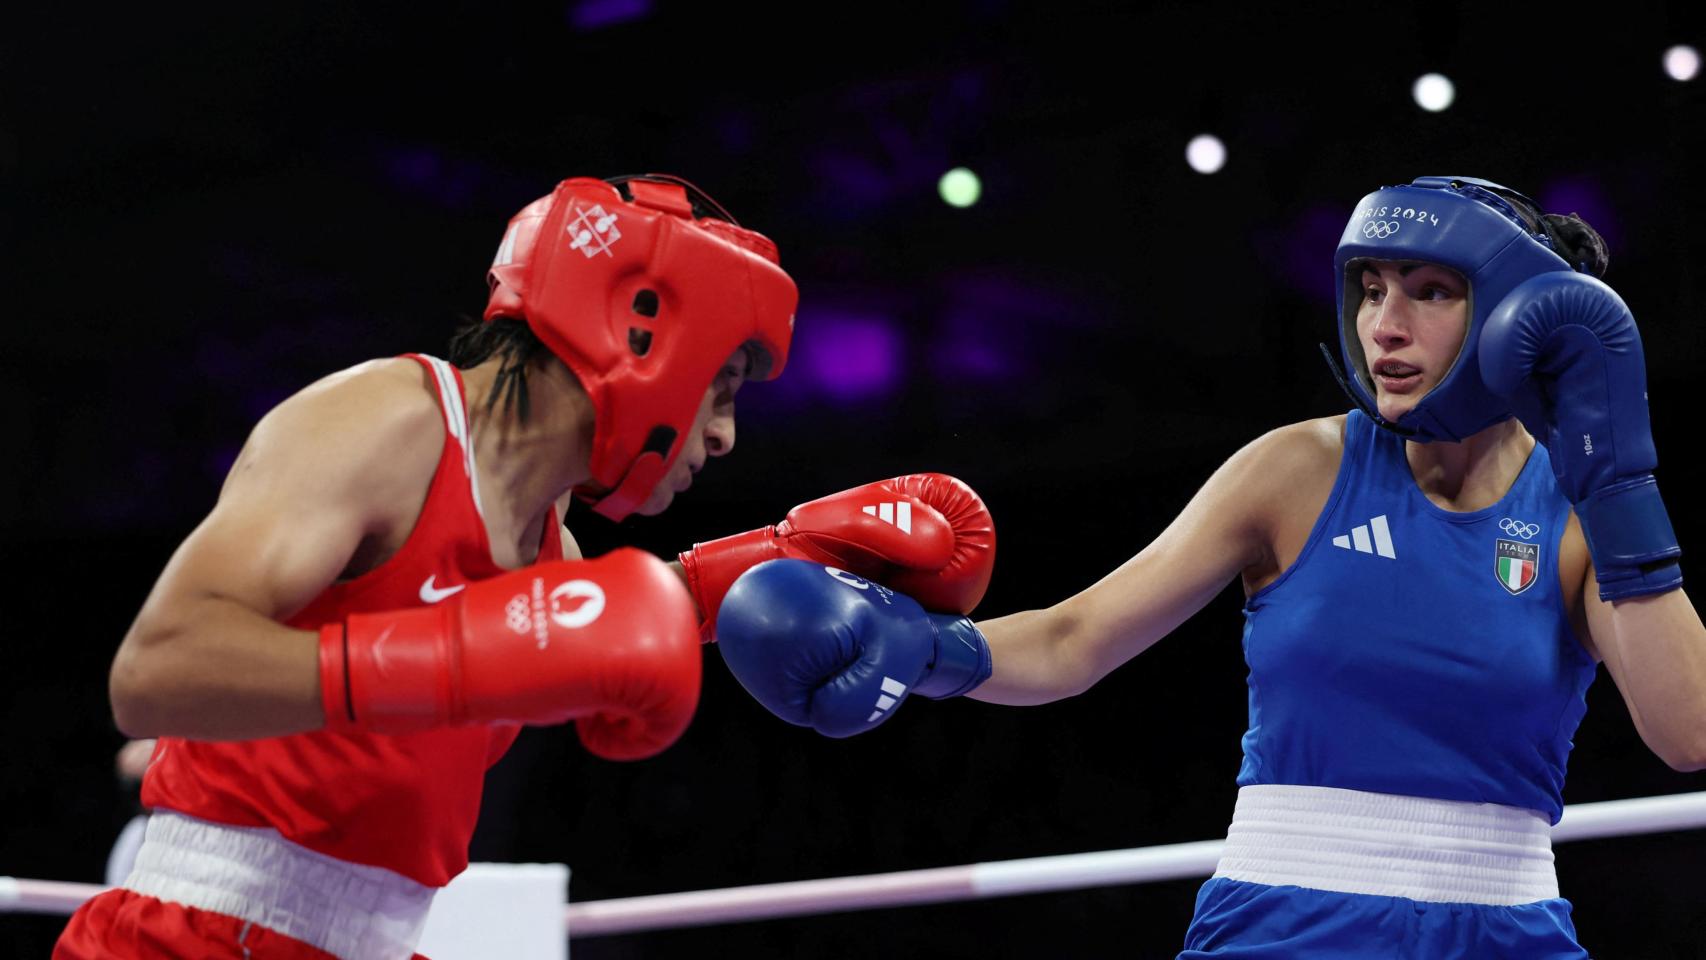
(1253, 920)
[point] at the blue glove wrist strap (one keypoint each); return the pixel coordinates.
(1630, 538)
(962, 659)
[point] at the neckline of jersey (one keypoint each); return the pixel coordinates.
(1469, 516)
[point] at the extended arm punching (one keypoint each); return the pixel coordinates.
(1063, 650)
(816, 649)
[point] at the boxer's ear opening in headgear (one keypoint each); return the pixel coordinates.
(659, 441)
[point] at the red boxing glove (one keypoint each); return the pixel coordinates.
(610, 643)
(926, 535)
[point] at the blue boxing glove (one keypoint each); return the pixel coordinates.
(1562, 348)
(826, 649)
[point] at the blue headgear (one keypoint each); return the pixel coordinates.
(1463, 223)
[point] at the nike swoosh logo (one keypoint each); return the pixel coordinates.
(429, 594)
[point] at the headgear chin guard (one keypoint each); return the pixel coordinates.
(1463, 223)
(644, 296)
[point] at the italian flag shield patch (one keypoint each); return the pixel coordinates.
(1516, 564)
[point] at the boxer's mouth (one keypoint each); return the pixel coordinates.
(1396, 376)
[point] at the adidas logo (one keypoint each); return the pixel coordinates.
(899, 514)
(892, 689)
(1359, 540)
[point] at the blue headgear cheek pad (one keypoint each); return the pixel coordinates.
(1457, 222)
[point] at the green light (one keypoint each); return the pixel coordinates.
(960, 187)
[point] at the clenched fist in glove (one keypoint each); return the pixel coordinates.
(610, 643)
(823, 648)
(1562, 348)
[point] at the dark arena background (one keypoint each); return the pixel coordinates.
(207, 210)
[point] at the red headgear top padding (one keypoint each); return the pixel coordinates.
(645, 304)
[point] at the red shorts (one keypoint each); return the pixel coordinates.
(124, 923)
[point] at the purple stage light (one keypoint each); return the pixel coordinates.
(218, 360)
(591, 15)
(1299, 254)
(974, 358)
(847, 357)
(849, 185)
(258, 403)
(414, 167)
(737, 130)
(103, 502)
(1308, 251)
(994, 324)
(445, 179)
(1584, 197)
(987, 324)
(219, 462)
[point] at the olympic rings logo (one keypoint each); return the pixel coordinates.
(1517, 528)
(518, 614)
(1380, 229)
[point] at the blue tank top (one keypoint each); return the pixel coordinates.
(1417, 651)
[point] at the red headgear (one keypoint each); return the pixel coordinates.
(644, 303)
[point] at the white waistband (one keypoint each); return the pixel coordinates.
(1351, 841)
(349, 910)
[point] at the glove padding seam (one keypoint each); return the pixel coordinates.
(349, 695)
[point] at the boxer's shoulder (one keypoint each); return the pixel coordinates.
(1310, 438)
(366, 411)
(1292, 463)
(1284, 479)
(372, 433)
(378, 395)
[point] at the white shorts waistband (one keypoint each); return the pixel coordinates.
(1352, 841)
(352, 911)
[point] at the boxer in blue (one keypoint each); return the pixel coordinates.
(1430, 581)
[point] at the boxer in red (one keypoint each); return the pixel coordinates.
(383, 591)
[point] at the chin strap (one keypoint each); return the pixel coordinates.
(1345, 384)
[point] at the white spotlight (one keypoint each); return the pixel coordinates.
(959, 187)
(1682, 62)
(1205, 153)
(1433, 92)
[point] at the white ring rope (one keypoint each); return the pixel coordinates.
(1581, 821)
(1002, 878)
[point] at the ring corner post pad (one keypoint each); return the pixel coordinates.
(510, 910)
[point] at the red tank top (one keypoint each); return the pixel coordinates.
(406, 803)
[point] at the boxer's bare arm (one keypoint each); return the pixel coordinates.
(1245, 519)
(345, 460)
